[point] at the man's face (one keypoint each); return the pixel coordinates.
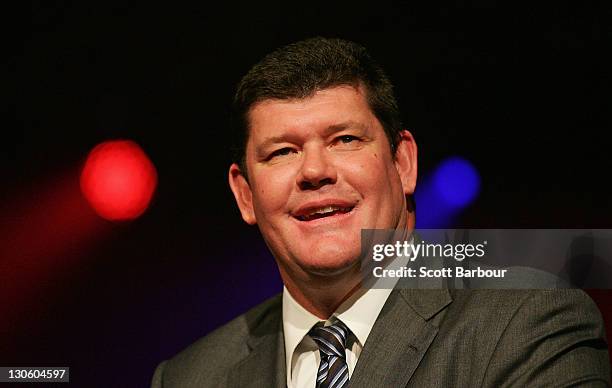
(320, 170)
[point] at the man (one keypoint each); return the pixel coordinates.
(324, 156)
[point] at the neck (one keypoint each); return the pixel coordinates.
(322, 295)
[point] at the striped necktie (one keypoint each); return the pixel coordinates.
(333, 370)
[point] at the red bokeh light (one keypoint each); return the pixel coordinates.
(118, 180)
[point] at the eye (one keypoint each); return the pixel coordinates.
(348, 142)
(347, 138)
(280, 152)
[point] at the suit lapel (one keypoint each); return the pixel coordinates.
(263, 367)
(399, 339)
(265, 364)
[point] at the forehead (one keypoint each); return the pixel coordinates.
(324, 108)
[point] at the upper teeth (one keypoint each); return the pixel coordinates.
(326, 209)
(323, 211)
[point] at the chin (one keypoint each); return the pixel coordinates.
(328, 261)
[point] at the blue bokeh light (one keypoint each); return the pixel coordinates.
(457, 182)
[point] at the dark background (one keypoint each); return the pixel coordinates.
(522, 91)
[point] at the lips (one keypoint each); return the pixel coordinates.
(313, 211)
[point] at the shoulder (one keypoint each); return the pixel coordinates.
(234, 334)
(496, 338)
(496, 316)
(517, 317)
(206, 361)
(517, 297)
(545, 336)
(558, 306)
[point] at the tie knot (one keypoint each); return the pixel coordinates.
(331, 339)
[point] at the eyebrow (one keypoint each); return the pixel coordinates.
(345, 125)
(328, 131)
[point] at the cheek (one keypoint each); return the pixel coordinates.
(272, 188)
(377, 179)
(369, 169)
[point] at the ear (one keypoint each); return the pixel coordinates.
(406, 162)
(242, 193)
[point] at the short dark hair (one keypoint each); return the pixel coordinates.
(300, 69)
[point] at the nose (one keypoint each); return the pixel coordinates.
(317, 169)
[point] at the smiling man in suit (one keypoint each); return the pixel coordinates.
(324, 155)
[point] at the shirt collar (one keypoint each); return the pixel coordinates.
(297, 322)
(359, 312)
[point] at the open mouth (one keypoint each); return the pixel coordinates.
(323, 212)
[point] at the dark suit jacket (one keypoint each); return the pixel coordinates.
(422, 338)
